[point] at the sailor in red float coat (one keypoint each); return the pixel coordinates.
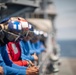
(14, 53)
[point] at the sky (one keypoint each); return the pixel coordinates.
(65, 20)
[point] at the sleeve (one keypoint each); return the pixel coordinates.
(14, 71)
(21, 62)
(37, 50)
(7, 60)
(39, 47)
(23, 56)
(42, 48)
(10, 70)
(31, 58)
(2, 64)
(32, 51)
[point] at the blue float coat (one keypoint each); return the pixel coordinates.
(25, 51)
(38, 47)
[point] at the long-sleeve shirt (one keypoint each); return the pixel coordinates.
(31, 48)
(8, 67)
(14, 52)
(38, 47)
(25, 51)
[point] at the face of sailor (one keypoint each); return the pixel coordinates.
(12, 36)
(28, 36)
(34, 39)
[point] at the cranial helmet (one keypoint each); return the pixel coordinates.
(31, 28)
(4, 20)
(15, 25)
(24, 23)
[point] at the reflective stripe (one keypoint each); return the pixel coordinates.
(14, 48)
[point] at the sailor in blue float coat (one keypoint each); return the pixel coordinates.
(25, 51)
(26, 46)
(31, 48)
(38, 46)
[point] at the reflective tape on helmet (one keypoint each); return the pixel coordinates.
(14, 25)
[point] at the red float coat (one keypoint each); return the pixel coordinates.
(14, 53)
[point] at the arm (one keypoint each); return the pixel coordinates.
(32, 50)
(42, 47)
(14, 71)
(10, 70)
(26, 57)
(21, 62)
(24, 54)
(17, 70)
(39, 46)
(7, 60)
(37, 50)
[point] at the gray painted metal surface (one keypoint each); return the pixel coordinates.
(22, 12)
(34, 3)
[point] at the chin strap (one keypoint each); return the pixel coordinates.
(1, 34)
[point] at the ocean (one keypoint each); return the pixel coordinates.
(68, 48)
